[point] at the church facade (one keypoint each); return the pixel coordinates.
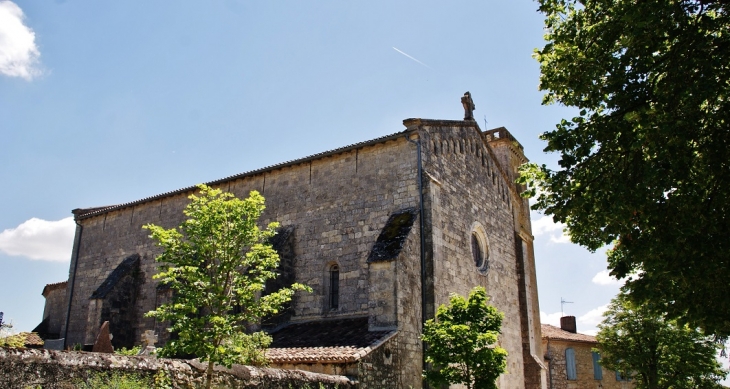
(384, 231)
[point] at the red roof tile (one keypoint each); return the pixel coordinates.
(30, 339)
(325, 341)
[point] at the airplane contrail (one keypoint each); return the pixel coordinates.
(412, 58)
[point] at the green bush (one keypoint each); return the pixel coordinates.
(132, 351)
(114, 380)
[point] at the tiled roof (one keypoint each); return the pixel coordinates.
(30, 339)
(555, 333)
(325, 341)
(54, 286)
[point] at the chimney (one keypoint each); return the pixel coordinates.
(567, 323)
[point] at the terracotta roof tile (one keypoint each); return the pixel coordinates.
(325, 341)
(30, 339)
(555, 333)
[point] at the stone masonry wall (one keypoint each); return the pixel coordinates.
(466, 190)
(378, 370)
(558, 378)
(336, 205)
(28, 368)
(54, 309)
(408, 304)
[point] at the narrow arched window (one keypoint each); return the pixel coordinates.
(477, 252)
(334, 296)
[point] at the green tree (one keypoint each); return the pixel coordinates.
(645, 165)
(217, 263)
(658, 353)
(462, 343)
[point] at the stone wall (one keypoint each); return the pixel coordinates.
(466, 192)
(558, 378)
(23, 368)
(378, 370)
(54, 309)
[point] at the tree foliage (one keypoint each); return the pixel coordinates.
(462, 343)
(645, 165)
(7, 338)
(217, 263)
(658, 353)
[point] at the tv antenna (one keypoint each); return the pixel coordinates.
(562, 304)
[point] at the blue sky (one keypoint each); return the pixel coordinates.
(108, 102)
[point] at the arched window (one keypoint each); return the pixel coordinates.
(476, 250)
(479, 248)
(334, 290)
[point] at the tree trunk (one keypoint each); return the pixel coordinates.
(209, 375)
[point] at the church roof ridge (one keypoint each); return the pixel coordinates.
(91, 212)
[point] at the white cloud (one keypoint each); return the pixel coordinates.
(40, 239)
(546, 226)
(591, 319)
(603, 278)
(587, 323)
(18, 51)
(550, 318)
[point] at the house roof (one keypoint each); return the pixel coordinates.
(555, 333)
(30, 339)
(325, 341)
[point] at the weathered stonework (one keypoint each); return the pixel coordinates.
(27, 368)
(333, 208)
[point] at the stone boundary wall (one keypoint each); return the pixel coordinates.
(23, 368)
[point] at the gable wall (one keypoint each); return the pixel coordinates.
(465, 188)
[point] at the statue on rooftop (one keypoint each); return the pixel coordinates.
(469, 106)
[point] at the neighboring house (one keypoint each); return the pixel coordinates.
(384, 231)
(571, 361)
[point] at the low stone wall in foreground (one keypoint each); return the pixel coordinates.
(23, 368)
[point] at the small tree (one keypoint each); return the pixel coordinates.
(462, 343)
(657, 352)
(217, 263)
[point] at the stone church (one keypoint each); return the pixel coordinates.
(384, 231)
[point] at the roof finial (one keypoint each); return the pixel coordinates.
(469, 106)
